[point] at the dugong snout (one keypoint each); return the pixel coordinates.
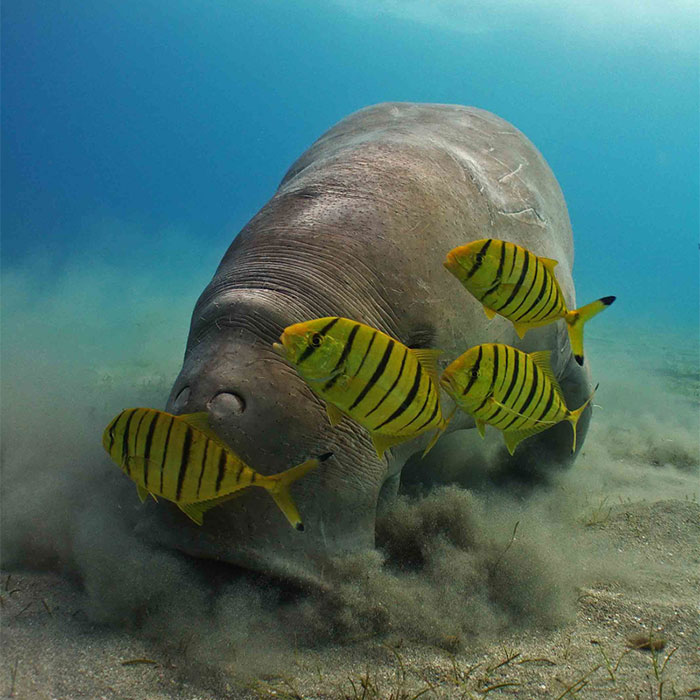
(222, 405)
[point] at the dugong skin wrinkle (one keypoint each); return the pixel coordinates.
(359, 227)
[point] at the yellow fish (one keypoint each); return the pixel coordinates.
(181, 459)
(520, 286)
(514, 391)
(388, 388)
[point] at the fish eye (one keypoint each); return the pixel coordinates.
(474, 373)
(316, 339)
(480, 257)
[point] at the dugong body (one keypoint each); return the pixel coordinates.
(359, 228)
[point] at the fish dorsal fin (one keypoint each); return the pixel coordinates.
(335, 415)
(490, 313)
(549, 263)
(383, 442)
(200, 421)
(428, 361)
(542, 359)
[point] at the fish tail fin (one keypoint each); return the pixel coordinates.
(573, 416)
(575, 320)
(278, 487)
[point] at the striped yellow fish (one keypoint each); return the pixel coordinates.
(388, 388)
(181, 459)
(520, 286)
(514, 391)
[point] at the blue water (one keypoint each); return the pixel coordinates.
(184, 116)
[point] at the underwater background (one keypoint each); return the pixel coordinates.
(139, 137)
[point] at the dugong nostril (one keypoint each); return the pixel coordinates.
(181, 400)
(226, 404)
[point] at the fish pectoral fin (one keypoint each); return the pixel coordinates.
(383, 442)
(514, 437)
(142, 492)
(490, 313)
(335, 415)
(481, 427)
(200, 421)
(507, 409)
(428, 360)
(542, 358)
(549, 263)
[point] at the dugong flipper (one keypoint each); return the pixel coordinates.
(359, 227)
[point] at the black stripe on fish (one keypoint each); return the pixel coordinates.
(422, 408)
(125, 440)
(550, 401)
(343, 356)
(474, 370)
(514, 379)
(165, 452)
(202, 466)
(483, 403)
(519, 283)
(377, 374)
(543, 298)
(432, 415)
(512, 262)
(494, 374)
(533, 390)
(311, 349)
(527, 293)
(478, 262)
(184, 461)
(540, 294)
(407, 401)
(221, 469)
(551, 302)
(522, 382)
(364, 357)
(497, 279)
(391, 388)
(115, 423)
(138, 428)
(147, 447)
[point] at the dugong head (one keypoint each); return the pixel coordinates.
(259, 405)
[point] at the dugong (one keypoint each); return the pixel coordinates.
(359, 227)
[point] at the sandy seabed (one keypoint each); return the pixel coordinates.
(475, 594)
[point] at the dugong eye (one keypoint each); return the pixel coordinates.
(316, 339)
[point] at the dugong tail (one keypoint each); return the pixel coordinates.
(575, 320)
